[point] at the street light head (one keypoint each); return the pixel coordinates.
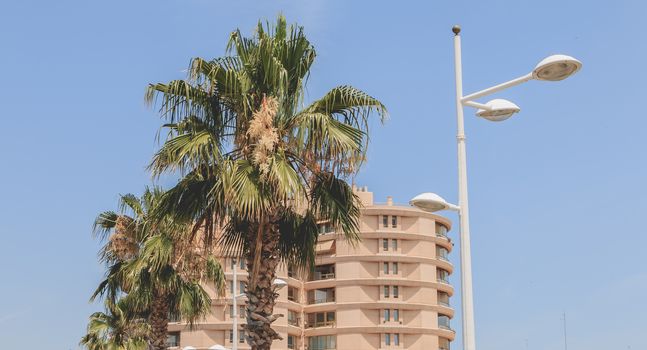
(556, 67)
(431, 202)
(499, 110)
(279, 283)
(456, 29)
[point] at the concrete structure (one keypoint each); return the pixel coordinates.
(390, 291)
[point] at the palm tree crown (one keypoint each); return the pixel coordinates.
(116, 329)
(259, 168)
(157, 267)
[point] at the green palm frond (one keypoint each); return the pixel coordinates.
(186, 151)
(248, 196)
(215, 274)
(156, 254)
(334, 200)
(115, 329)
(130, 202)
(104, 223)
(299, 234)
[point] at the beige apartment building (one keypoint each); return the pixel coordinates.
(388, 292)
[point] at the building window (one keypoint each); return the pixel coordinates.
(387, 339)
(322, 342)
(443, 299)
(394, 243)
(325, 228)
(293, 294)
(441, 231)
(442, 276)
(396, 339)
(291, 341)
(396, 315)
(443, 344)
(443, 322)
(385, 221)
(323, 272)
(241, 311)
(241, 287)
(394, 221)
(442, 253)
(396, 291)
(323, 295)
(387, 315)
(385, 244)
(241, 263)
(291, 272)
(241, 336)
(330, 318)
(320, 319)
(386, 268)
(395, 268)
(386, 291)
(173, 339)
(293, 318)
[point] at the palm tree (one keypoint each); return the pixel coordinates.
(259, 168)
(115, 329)
(159, 267)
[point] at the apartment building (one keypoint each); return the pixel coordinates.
(390, 291)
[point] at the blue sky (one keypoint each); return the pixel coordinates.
(557, 193)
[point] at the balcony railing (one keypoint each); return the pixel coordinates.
(329, 299)
(317, 276)
(293, 322)
(442, 257)
(444, 303)
(320, 324)
(442, 280)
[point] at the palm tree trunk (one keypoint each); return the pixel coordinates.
(159, 322)
(261, 291)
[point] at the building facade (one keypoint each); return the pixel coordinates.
(389, 291)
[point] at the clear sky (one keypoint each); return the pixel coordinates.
(558, 193)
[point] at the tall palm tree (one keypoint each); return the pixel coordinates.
(159, 266)
(259, 168)
(115, 329)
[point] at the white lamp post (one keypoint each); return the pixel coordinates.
(552, 68)
(278, 283)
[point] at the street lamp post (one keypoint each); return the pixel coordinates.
(552, 68)
(234, 331)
